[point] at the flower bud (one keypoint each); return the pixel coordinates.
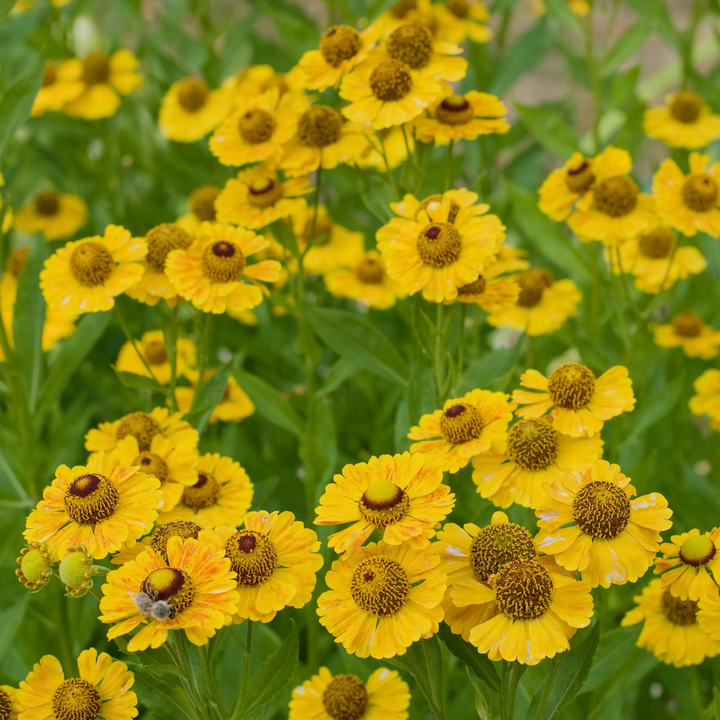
(35, 566)
(76, 571)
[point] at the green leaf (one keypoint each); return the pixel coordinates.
(482, 706)
(481, 666)
(10, 622)
(490, 367)
(5, 7)
(269, 402)
(376, 194)
(420, 391)
(139, 382)
(352, 336)
(16, 101)
(262, 491)
(210, 395)
(318, 448)
(550, 129)
(161, 670)
(284, 234)
(165, 701)
(656, 407)
(611, 654)
(339, 373)
(716, 703)
(560, 10)
(631, 40)
(424, 661)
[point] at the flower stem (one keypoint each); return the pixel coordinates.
(449, 172)
(391, 174)
(461, 350)
(549, 680)
(512, 672)
(131, 340)
(202, 360)
(439, 360)
(594, 79)
(246, 672)
(173, 363)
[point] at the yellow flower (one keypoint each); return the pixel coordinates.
(61, 84)
(673, 629)
(707, 399)
(212, 272)
(257, 198)
(402, 496)
(100, 505)
(276, 559)
(687, 562)
(323, 139)
(222, 494)
(159, 539)
(685, 122)
(396, 144)
(101, 692)
(464, 19)
(196, 580)
(202, 208)
(537, 454)
(410, 207)
(385, 696)
(462, 117)
(688, 331)
(57, 215)
(258, 79)
(104, 77)
(418, 12)
(152, 347)
(87, 275)
(9, 707)
(543, 304)
(234, 406)
(383, 598)
(589, 523)
(366, 281)
(466, 426)
(689, 203)
(444, 248)
(580, 403)
(258, 130)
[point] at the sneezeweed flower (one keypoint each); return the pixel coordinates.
(153, 349)
(589, 523)
(87, 275)
(410, 207)
(57, 215)
(672, 630)
(579, 403)
(36, 566)
(464, 19)
(258, 79)
(154, 285)
(196, 580)
(443, 249)
(383, 598)
(62, 82)
(462, 117)
(385, 696)
(222, 494)
(234, 405)
(202, 208)
(402, 496)
(258, 197)
(536, 455)
(190, 109)
(688, 331)
(687, 562)
(543, 304)
(158, 541)
(706, 401)
(76, 572)
(8, 703)
(689, 203)
(100, 505)
(212, 272)
(102, 692)
(259, 129)
(417, 12)
(276, 559)
(105, 77)
(685, 122)
(466, 426)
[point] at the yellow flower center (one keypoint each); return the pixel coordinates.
(474, 288)
(223, 262)
(677, 611)
(459, 8)
(90, 499)
(264, 192)
(687, 324)
(496, 545)
(533, 284)
(161, 240)
(370, 272)
(320, 126)
(454, 110)
(601, 510)
(657, 244)
(141, 426)
(697, 550)
(390, 81)
(384, 503)
(35, 567)
(345, 698)
(91, 263)
(49, 77)
(580, 179)
(76, 699)
(523, 589)
(700, 193)
(172, 585)
(152, 464)
(460, 424)
(177, 528)
(401, 8)
(202, 202)
(686, 107)
(47, 203)
(533, 444)
(203, 494)
(256, 126)
(616, 196)
(379, 586)
(571, 386)
(252, 555)
(192, 94)
(411, 45)
(16, 260)
(439, 244)
(339, 43)
(96, 68)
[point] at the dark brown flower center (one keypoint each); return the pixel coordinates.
(252, 555)
(496, 545)
(571, 386)
(411, 45)
(256, 126)
(580, 179)
(459, 8)
(222, 262)
(454, 110)
(172, 585)
(202, 202)
(90, 499)
(47, 203)
(700, 193)
(439, 244)
(533, 444)
(460, 424)
(91, 263)
(391, 81)
(203, 494)
(524, 589)
(401, 8)
(264, 192)
(339, 43)
(384, 503)
(76, 699)
(687, 324)
(96, 68)
(345, 698)
(370, 272)
(657, 244)
(177, 528)
(686, 107)
(161, 240)
(677, 611)
(49, 77)
(320, 126)
(155, 352)
(152, 464)
(474, 288)
(17, 259)
(193, 94)
(616, 196)
(533, 284)
(379, 586)
(141, 426)
(601, 510)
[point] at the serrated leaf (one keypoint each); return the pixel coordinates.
(139, 382)
(16, 101)
(550, 129)
(210, 394)
(468, 655)
(424, 661)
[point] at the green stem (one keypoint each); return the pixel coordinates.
(549, 680)
(245, 674)
(202, 360)
(594, 79)
(697, 691)
(687, 48)
(390, 173)
(188, 680)
(449, 172)
(131, 340)
(439, 360)
(461, 349)
(214, 696)
(173, 364)
(512, 672)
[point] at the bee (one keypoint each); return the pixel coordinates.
(148, 604)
